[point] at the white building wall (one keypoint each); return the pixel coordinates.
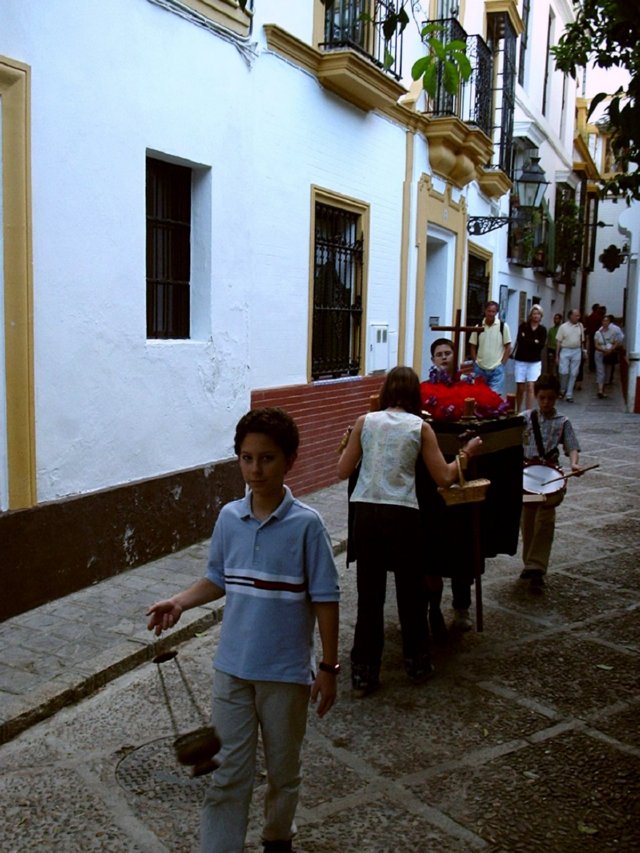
(357, 154)
(608, 288)
(552, 133)
(110, 83)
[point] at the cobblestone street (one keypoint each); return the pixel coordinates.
(526, 739)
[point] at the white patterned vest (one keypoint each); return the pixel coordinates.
(390, 448)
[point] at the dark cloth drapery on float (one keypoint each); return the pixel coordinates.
(447, 528)
(448, 539)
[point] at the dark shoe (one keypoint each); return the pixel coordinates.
(438, 626)
(360, 689)
(277, 846)
(365, 680)
(536, 579)
(419, 669)
(568, 399)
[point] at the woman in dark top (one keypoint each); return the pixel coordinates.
(530, 343)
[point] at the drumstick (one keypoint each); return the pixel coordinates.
(572, 474)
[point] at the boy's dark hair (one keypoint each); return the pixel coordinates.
(402, 388)
(491, 302)
(273, 422)
(547, 382)
(440, 342)
(610, 318)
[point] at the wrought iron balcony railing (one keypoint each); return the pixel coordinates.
(345, 27)
(473, 101)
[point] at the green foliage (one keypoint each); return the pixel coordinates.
(607, 32)
(569, 236)
(446, 61)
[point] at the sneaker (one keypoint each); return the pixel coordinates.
(461, 620)
(537, 580)
(568, 399)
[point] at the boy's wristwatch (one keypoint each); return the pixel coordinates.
(329, 667)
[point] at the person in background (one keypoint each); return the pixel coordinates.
(591, 324)
(551, 345)
(388, 530)
(491, 348)
(569, 350)
(530, 343)
(271, 556)
(608, 341)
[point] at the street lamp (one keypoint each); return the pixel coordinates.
(532, 184)
(531, 187)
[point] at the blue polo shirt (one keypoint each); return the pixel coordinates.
(271, 572)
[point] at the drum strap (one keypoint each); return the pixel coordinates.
(553, 454)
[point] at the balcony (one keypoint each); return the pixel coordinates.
(344, 29)
(472, 103)
(459, 132)
(358, 63)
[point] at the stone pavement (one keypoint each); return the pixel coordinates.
(526, 739)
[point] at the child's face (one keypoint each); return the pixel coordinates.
(546, 400)
(443, 357)
(263, 465)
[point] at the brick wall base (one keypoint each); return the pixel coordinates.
(322, 411)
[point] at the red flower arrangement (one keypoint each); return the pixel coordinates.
(446, 402)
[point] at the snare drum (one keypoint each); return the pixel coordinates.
(535, 481)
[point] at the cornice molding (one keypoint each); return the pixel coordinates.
(585, 165)
(224, 13)
(346, 73)
(494, 7)
(357, 80)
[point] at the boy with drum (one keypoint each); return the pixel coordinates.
(545, 430)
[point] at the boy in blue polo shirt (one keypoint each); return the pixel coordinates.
(271, 556)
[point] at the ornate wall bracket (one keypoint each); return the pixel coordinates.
(493, 182)
(456, 150)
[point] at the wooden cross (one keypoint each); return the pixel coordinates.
(457, 329)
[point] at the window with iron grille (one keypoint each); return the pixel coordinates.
(524, 40)
(477, 290)
(502, 38)
(337, 292)
(168, 249)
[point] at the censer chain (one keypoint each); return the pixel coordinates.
(192, 698)
(167, 702)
